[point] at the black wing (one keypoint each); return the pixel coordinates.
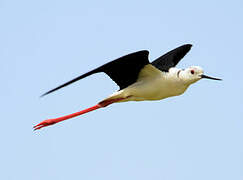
(124, 70)
(170, 59)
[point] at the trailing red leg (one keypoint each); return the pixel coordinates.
(49, 122)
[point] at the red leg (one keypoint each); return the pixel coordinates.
(49, 122)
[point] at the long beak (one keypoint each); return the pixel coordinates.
(208, 77)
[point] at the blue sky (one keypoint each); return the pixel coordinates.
(194, 136)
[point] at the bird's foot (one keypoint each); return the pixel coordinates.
(45, 123)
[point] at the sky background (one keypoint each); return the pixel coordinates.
(43, 44)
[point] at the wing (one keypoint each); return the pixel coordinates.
(124, 70)
(171, 59)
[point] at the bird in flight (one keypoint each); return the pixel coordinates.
(140, 80)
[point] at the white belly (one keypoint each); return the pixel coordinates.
(153, 90)
(156, 90)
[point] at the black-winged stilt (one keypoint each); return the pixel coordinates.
(140, 80)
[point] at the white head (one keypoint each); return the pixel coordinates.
(193, 74)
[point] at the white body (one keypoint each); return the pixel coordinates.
(153, 84)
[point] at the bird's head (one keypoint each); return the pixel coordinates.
(193, 74)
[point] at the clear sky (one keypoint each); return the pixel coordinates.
(43, 44)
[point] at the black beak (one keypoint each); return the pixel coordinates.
(208, 77)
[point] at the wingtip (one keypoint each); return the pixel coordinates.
(188, 45)
(44, 94)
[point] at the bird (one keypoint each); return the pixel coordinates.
(140, 80)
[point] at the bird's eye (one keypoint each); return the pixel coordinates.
(192, 72)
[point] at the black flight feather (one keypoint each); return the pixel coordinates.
(170, 59)
(124, 70)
